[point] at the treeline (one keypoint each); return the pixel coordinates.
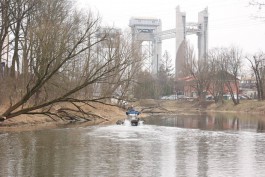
(221, 71)
(216, 73)
(53, 53)
(154, 86)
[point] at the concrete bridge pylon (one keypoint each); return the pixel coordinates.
(150, 29)
(146, 29)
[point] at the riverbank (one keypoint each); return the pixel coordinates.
(110, 114)
(104, 113)
(191, 107)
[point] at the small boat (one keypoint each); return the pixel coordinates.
(132, 117)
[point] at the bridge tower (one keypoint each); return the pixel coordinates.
(183, 29)
(147, 29)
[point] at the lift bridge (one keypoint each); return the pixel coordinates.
(150, 29)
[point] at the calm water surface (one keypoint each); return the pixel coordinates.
(164, 146)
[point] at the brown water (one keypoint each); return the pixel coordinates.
(164, 146)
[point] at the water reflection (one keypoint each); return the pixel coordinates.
(148, 150)
(205, 121)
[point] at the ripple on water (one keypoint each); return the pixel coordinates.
(147, 150)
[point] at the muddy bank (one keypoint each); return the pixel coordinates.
(104, 113)
(193, 107)
(110, 114)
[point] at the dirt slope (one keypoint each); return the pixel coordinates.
(110, 114)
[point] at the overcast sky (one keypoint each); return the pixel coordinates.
(231, 22)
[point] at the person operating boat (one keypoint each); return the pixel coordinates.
(131, 110)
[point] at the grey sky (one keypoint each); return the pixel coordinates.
(230, 21)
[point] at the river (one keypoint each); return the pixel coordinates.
(165, 146)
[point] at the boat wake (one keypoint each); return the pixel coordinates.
(128, 123)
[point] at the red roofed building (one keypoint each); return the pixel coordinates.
(187, 85)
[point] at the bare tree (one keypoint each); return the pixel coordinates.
(153, 86)
(199, 69)
(258, 68)
(20, 10)
(118, 45)
(5, 22)
(165, 77)
(225, 67)
(201, 73)
(185, 66)
(259, 3)
(167, 63)
(146, 86)
(234, 59)
(216, 84)
(63, 40)
(189, 58)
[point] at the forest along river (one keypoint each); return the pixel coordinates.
(164, 146)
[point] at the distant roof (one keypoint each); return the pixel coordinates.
(145, 18)
(248, 78)
(187, 78)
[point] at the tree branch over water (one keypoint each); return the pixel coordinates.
(71, 59)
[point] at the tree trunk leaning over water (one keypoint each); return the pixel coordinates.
(66, 61)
